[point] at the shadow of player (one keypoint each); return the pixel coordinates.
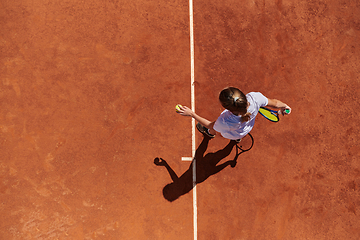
(206, 165)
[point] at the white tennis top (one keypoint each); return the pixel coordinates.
(230, 125)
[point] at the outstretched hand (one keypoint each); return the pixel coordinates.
(185, 111)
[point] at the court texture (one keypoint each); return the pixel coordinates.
(87, 100)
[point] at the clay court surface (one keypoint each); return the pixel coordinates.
(87, 97)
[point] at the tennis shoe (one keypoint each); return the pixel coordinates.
(204, 130)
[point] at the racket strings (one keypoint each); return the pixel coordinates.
(246, 143)
(268, 114)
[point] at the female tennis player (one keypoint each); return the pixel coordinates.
(238, 118)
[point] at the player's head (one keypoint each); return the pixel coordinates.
(235, 101)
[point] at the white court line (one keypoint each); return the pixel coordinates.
(192, 74)
(187, 159)
(192, 158)
(191, 14)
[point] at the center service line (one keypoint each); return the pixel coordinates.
(192, 158)
(191, 13)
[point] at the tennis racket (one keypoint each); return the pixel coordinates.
(246, 143)
(269, 114)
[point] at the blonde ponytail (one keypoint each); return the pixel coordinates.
(233, 100)
(245, 117)
(236, 102)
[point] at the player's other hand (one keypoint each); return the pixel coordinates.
(185, 111)
(285, 110)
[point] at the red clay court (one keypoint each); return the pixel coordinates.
(88, 90)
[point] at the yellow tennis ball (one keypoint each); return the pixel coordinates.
(177, 108)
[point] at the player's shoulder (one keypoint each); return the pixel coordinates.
(258, 98)
(225, 113)
(255, 95)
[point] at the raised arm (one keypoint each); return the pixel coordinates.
(162, 162)
(185, 111)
